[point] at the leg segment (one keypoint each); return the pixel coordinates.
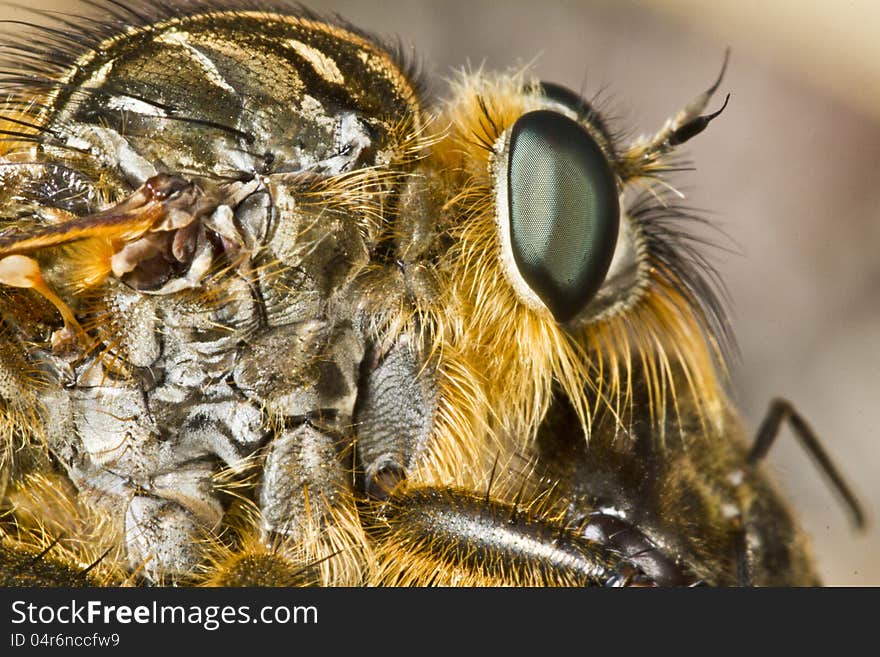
(393, 417)
(781, 410)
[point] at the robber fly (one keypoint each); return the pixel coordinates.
(273, 316)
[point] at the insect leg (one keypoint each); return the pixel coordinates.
(299, 479)
(781, 410)
(304, 377)
(163, 535)
(306, 504)
(396, 400)
(430, 535)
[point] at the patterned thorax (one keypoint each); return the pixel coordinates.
(227, 94)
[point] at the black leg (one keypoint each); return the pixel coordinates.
(781, 410)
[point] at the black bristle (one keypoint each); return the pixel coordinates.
(667, 227)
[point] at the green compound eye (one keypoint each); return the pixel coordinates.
(564, 210)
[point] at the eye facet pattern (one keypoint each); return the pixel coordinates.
(564, 210)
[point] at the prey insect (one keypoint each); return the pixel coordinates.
(273, 316)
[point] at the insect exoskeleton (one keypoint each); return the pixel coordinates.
(272, 316)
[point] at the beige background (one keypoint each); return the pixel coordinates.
(791, 173)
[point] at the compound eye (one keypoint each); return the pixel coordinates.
(564, 210)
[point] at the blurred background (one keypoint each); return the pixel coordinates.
(790, 171)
